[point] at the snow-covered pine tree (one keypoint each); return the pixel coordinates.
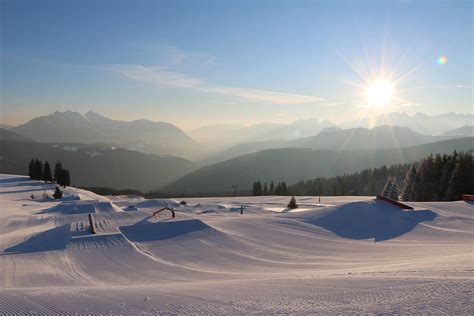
(408, 189)
(393, 191)
(387, 187)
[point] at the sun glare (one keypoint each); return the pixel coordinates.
(380, 93)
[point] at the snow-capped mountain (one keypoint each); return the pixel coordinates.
(142, 135)
(422, 123)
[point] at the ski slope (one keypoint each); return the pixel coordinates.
(343, 255)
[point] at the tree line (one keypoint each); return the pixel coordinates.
(366, 182)
(439, 178)
(39, 171)
(269, 189)
(434, 178)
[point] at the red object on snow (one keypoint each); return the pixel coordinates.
(468, 197)
(396, 203)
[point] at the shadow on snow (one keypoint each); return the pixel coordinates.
(377, 219)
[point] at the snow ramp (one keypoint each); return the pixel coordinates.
(81, 207)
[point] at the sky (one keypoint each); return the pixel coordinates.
(195, 63)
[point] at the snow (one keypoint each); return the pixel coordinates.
(343, 255)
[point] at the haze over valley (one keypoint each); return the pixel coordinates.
(155, 156)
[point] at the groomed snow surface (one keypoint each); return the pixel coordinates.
(346, 255)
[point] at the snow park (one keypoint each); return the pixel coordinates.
(206, 157)
(87, 254)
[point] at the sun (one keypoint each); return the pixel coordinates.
(380, 93)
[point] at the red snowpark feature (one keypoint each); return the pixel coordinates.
(164, 209)
(468, 197)
(396, 203)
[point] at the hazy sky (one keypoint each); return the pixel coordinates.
(205, 62)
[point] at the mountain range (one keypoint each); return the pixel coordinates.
(139, 135)
(219, 135)
(382, 137)
(142, 154)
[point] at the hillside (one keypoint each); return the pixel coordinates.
(383, 137)
(97, 165)
(294, 164)
(466, 130)
(9, 135)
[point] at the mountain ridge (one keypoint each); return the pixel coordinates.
(144, 135)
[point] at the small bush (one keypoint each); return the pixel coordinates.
(292, 204)
(58, 193)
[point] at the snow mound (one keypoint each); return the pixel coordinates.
(52, 239)
(157, 203)
(81, 207)
(366, 220)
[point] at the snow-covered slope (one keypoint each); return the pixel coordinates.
(344, 255)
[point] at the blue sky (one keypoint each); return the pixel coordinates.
(206, 62)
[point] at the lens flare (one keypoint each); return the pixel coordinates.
(442, 60)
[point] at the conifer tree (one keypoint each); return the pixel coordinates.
(31, 169)
(272, 189)
(278, 189)
(393, 191)
(265, 189)
(257, 188)
(38, 170)
(427, 180)
(408, 189)
(58, 167)
(66, 178)
(462, 178)
(47, 176)
(387, 187)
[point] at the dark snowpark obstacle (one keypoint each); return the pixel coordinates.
(91, 224)
(396, 203)
(468, 197)
(165, 209)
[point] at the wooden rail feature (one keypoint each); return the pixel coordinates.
(468, 197)
(165, 209)
(396, 203)
(91, 224)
